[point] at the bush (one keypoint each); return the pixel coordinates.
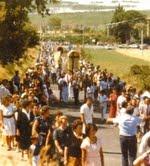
(85, 55)
(142, 73)
(135, 70)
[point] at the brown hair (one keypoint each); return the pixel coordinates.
(76, 123)
(89, 127)
(5, 98)
(44, 109)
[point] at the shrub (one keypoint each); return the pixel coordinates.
(135, 70)
(142, 73)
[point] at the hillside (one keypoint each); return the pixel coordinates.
(84, 18)
(22, 65)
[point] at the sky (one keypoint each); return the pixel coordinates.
(144, 4)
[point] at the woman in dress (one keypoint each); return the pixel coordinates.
(24, 127)
(113, 104)
(70, 90)
(92, 152)
(72, 152)
(65, 92)
(42, 125)
(8, 120)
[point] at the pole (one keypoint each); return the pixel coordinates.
(142, 40)
(108, 33)
(148, 27)
(82, 36)
(73, 64)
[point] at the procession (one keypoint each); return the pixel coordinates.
(27, 125)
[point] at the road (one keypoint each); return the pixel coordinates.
(108, 134)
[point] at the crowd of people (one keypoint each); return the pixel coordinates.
(28, 125)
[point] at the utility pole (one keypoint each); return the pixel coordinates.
(82, 28)
(142, 40)
(108, 30)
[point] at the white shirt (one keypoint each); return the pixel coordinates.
(122, 111)
(144, 143)
(88, 113)
(120, 100)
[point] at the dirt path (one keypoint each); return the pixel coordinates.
(136, 53)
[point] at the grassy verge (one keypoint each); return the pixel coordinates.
(86, 18)
(116, 63)
(7, 71)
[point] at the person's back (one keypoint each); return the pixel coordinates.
(128, 124)
(128, 130)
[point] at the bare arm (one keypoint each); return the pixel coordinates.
(82, 118)
(138, 161)
(34, 128)
(66, 156)
(83, 157)
(60, 150)
(48, 138)
(1, 118)
(101, 156)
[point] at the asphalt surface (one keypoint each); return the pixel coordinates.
(108, 134)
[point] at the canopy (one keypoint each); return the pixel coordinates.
(74, 53)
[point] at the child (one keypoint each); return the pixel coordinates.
(35, 151)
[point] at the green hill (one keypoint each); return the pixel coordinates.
(86, 18)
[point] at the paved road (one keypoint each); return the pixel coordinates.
(107, 133)
(110, 142)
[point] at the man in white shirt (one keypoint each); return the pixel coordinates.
(145, 143)
(86, 112)
(145, 111)
(123, 108)
(120, 100)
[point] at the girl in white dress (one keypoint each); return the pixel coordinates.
(7, 120)
(92, 153)
(70, 90)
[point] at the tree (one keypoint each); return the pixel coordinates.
(139, 29)
(142, 75)
(16, 32)
(123, 24)
(55, 22)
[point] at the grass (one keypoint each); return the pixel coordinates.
(115, 62)
(22, 65)
(86, 18)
